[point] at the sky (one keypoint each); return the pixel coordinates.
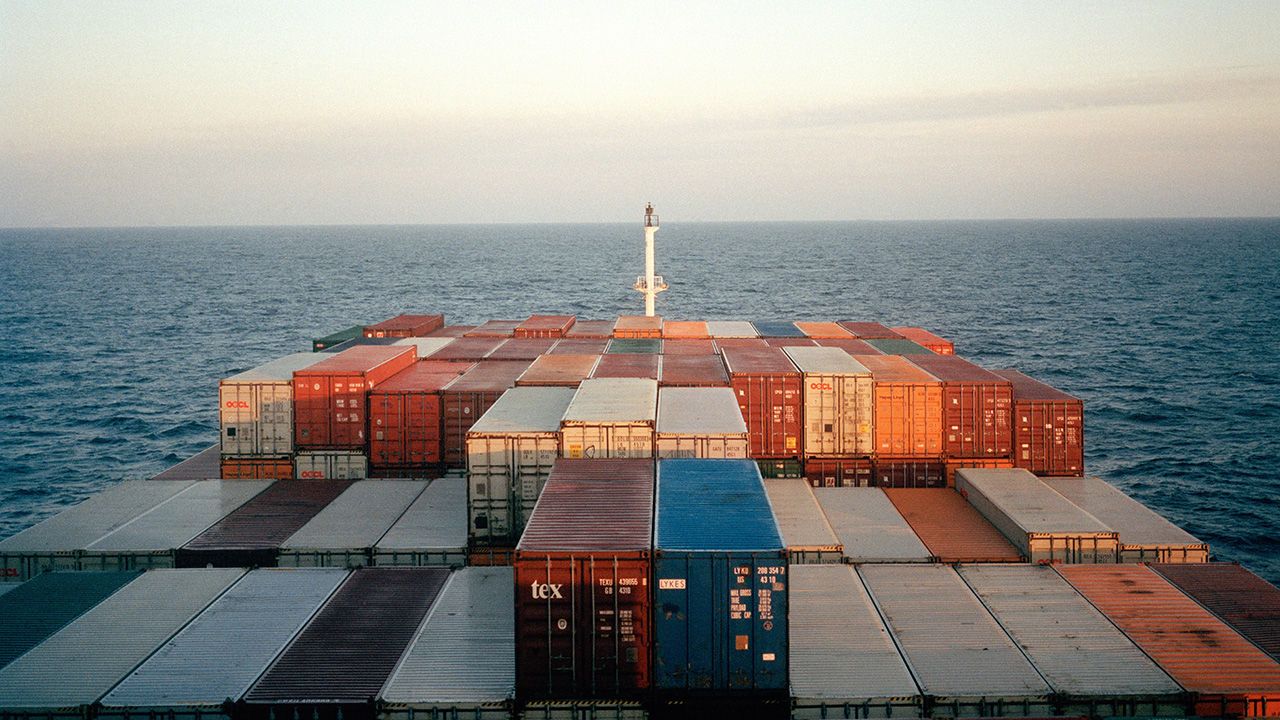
(264, 113)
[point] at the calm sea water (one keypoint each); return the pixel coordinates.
(114, 340)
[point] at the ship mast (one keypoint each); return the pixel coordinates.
(649, 284)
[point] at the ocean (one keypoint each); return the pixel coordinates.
(114, 339)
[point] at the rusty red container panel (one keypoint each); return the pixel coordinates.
(495, 328)
(580, 346)
(545, 326)
(689, 346)
(467, 398)
(405, 417)
(932, 343)
(522, 349)
(839, 472)
(771, 397)
(754, 342)
(638, 326)
(789, 342)
(908, 472)
(851, 345)
(693, 371)
(257, 469)
(869, 330)
(627, 365)
(452, 331)
(591, 329)
(583, 600)
(977, 407)
(1048, 427)
(405, 326)
(559, 370)
(1239, 598)
(329, 398)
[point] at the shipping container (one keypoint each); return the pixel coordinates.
(1048, 427)
(332, 339)
(638, 326)
(77, 665)
(628, 366)
(583, 599)
(461, 664)
(329, 397)
(343, 533)
(771, 398)
(34, 610)
(731, 329)
(805, 531)
(469, 397)
(591, 329)
(688, 346)
(433, 531)
(868, 330)
(510, 452)
(693, 371)
(405, 326)
(777, 329)
(257, 469)
(638, 345)
(559, 370)
(933, 343)
(522, 349)
(897, 346)
(789, 342)
(720, 581)
(468, 349)
(908, 407)
(1144, 535)
(331, 465)
(150, 540)
(1229, 675)
(406, 415)
(908, 472)
(452, 331)
(977, 407)
(1246, 602)
(610, 418)
(951, 465)
(545, 326)
(751, 342)
(219, 655)
(579, 346)
(357, 342)
(1093, 668)
(426, 346)
(824, 330)
(251, 535)
(949, 526)
(54, 543)
(963, 661)
(781, 468)
(494, 329)
(201, 466)
(695, 422)
(839, 472)
(1043, 525)
(869, 527)
(689, 329)
(851, 345)
(844, 663)
(838, 402)
(341, 659)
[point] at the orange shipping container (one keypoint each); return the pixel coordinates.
(928, 340)
(591, 329)
(638, 326)
(685, 329)
(546, 326)
(257, 469)
(722, 343)
(908, 407)
(558, 370)
(1230, 675)
(950, 527)
(403, 326)
(823, 330)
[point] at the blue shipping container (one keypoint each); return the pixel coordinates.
(777, 328)
(720, 587)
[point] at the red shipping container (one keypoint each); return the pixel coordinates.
(954, 464)
(405, 326)
(770, 395)
(257, 469)
(933, 343)
(580, 346)
(977, 407)
(467, 398)
(452, 331)
(1246, 602)
(545, 326)
(851, 345)
(329, 398)
(405, 416)
(467, 348)
(591, 329)
(688, 346)
(1048, 427)
(627, 365)
(789, 342)
(869, 330)
(908, 407)
(755, 342)
(838, 472)
(582, 582)
(638, 326)
(522, 349)
(495, 328)
(908, 472)
(693, 371)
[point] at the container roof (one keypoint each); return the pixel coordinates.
(278, 370)
(423, 376)
(699, 411)
(437, 520)
(526, 409)
(825, 360)
(1029, 502)
(869, 526)
(709, 505)
(358, 359)
(614, 400)
(1136, 523)
(593, 505)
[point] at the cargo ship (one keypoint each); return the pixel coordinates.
(555, 517)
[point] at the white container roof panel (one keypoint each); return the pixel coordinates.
(1027, 501)
(955, 649)
(176, 521)
(279, 370)
(614, 400)
(840, 648)
(731, 329)
(1136, 523)
(699, 411)
(436, 520)
(800, 518)
(825, 361)
(526, 410)
(82, 525)
(224, 650)
(1073, 645)
(465, 651)
(869, 527)
(357, 518)
(85, 659)
(426, 345)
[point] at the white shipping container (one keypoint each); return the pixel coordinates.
(838, 402)
(331, 465)
(426, 345)
(1041, 523)
(255, 407)
(731, 329)
(510, 451)
(699, 422)
(433, 531)
(342, 534)
(1144, 535)
(805, 530)
(611, 418)
(869, 526)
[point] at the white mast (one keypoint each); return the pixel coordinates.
(649, 284)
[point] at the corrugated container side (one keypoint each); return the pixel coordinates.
(469, 397)
(545, 326)
(40, 607)
(771, 397)
(838, 402)
(869, 527)
(579, 346)
(868, 330)
(683, 346)
(949, 527)
(256, 469)
(699, 422)
(805, 531)
(908, 407)
(977, 407)
(432, 532)
(201, 466)
(255, 407)
(638, 326)
(628, 366)
(839, 472)
(1048, 427)
(781, 468)
(695, 329)
(494, 329)
(405, 326)
(406, 417)
(1239, 598)
(1144, 535)
(591, 329)
(693, 371)
(823, 330)
(321, 343)
(933, 343)
(467, 349)
(330, 465)
(610, 418)
(344, 532)
(522, 349)
(330, 397)
(908, 472)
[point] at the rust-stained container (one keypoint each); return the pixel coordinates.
(869, 330)
(822, 329)
(851, 345)
(405, 417)
(580, 346)
(1048, 427)
(545, 326)
(638, 326)
(495, 328)
(256, 468)
(611, 418)
(583, 600)
(949, 526)
(558, 370)
(932, 343)
(1145, 536)
(1241, 599)
(771, 397)
(908, 407)
(839, 472)
(685, 329)
(838, 405)
(908, 472)
(468, 397)
(330, 465)
(630, 365)
(693, 371)
(452, 331)
(591, 329)
(1229, 675)
(404, 326)
(954, 464)
(522, 349)
(977, 407)
(689, 346)
(329, 397)
(467, 349)
(789, 342)
(699, 423)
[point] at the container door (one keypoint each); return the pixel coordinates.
(489, 495)
(614, 626)
(547, 628)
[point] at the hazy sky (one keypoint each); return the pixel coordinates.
(177, 113)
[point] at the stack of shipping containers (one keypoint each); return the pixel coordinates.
(692, 370)
(405, 326)
(977, 412)
(559, 370)
(432, 531)
(638, 326)
(838, 399)
(1144, 535)
(770, 396)
(1246, 602)
(610, 418)
(40, 607)
(255, 411)
(406, 419)
(544, 326)
(870, 528)
(699, 422)
(804, 528)
(469, 397)
(908, 423)
(927, 340)
(344, 532)
(1048, 427)
(949, 527)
